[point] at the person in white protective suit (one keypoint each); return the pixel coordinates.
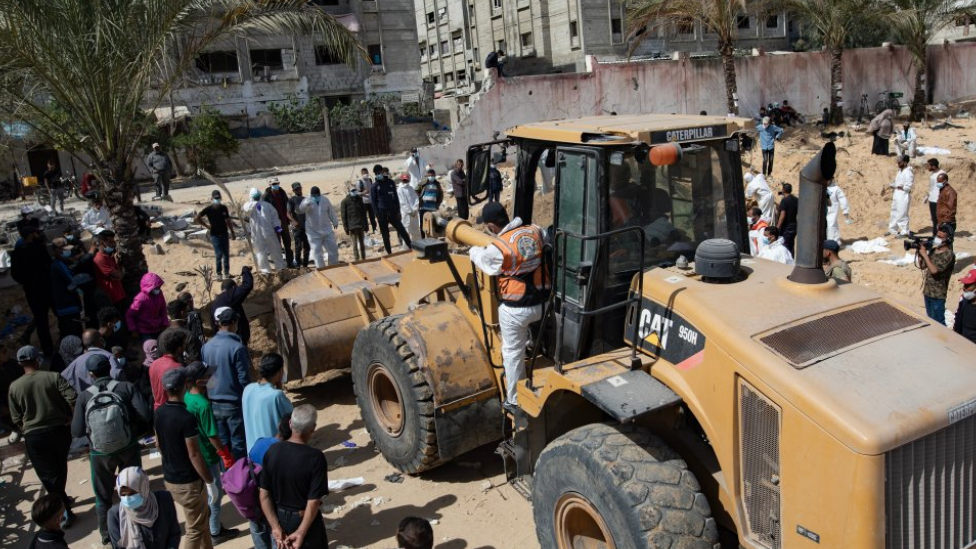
(901, 198)
(758, 188)
(409, 207)
(836, 203)
(773, 248)
(320, 225)
(264, 225)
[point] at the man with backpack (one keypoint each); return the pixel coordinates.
(112, 414)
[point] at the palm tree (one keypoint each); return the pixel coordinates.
(833, 22)
(914, 23)
(84, 72)
(719, 17)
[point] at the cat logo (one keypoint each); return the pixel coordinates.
(665, 334)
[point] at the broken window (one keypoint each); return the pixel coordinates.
(526, 39)
(430, 18)
(325, 56)
(217, 61)
(496, 4)
(458, 41)
(267, 58)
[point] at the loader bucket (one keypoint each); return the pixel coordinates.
(320, 313)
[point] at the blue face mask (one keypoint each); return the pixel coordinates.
(70, 238)
(216, 201)
(65, 253)
(276, 187)
(379, 177)
(118, 326)
(317, 199)
(134, 501)
(109, 250)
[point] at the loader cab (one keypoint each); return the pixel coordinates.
(617, 209)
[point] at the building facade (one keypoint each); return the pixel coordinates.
(547, 36)
(241, 76)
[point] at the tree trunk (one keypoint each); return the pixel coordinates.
(118, 195)
(731, 89)
(919, 99)
(836, 81)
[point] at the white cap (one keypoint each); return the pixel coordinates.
(748, 177)
(155, 145)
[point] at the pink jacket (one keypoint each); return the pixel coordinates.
(147, 314)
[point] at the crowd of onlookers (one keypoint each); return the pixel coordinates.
(135, 371)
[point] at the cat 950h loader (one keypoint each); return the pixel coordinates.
(675, 386)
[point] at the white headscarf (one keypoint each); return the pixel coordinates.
(130, 520)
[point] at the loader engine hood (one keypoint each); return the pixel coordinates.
(872, 374)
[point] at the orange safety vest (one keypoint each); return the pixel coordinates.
(757, 226)
(522, 283)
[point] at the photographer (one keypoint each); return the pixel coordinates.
(938, 260)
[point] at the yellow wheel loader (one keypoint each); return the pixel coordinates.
(675, 386)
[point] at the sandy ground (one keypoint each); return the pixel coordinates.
(468, 498)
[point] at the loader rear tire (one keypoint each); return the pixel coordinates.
(618, 487)
(395, 400)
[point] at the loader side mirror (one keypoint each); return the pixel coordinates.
(479, 159)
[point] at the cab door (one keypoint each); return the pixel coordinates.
(577, 217)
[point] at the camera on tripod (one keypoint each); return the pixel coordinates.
(917, 242)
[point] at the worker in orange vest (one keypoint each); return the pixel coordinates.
(756, 227)
(523, 284)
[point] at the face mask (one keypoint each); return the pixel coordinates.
(379, 177)
(276, 187)
(765, 125)
(936, 242)
(432, 179)
(317, 199)
(155, 291)
(134, 501)
(216, 201)
(969, 296)
(765, 240)
(255, 197)
(109, 250)
(121, 362)
(70, 238)
(939, 185)
(749, 220)
(65, 253)
(118, 326)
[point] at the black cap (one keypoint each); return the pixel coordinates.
(28, 353)
(831, 245)
(174, 379)
(198, 370)
(296, 185)
(215, 194)
(98, 363)
(315, 191)
(493, 212)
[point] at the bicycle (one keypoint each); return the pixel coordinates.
(889, 100)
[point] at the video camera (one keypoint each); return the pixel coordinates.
(917, 242)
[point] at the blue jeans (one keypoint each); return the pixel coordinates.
(261, 535)
(216, 469)
(230, 427)
(935, 308)
(221, 246)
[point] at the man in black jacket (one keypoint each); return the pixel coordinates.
(383, 195)
(30, 266)
(233, 295)
(106, 465)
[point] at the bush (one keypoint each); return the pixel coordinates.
(294, 116)
(208, 136)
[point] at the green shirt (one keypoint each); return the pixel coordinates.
(199, 406)
(41, 400)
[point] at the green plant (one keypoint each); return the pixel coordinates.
(104, 63)
(296, 116)
(208, 136)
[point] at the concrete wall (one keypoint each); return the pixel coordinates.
(279, 150)
(693, 85)
(408, 136)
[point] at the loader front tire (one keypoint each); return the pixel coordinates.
(394, 398)
(618, 487)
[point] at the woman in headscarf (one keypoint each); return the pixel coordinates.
(69, 350)
(881, 127)
(144, 519)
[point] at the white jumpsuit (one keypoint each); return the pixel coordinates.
(838, 204)
(776, 251)
(758, 187)
(900, 201)
(409, 210)
(412, 167)
(262, 221)
(320, 223)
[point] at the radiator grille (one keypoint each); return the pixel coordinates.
(759, 442)
(931, 491)
(807, 343)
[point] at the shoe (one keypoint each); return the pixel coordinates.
(226, 534)
(67, 519)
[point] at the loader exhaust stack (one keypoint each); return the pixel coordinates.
(811, 219)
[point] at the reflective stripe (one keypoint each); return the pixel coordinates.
(521, 250)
